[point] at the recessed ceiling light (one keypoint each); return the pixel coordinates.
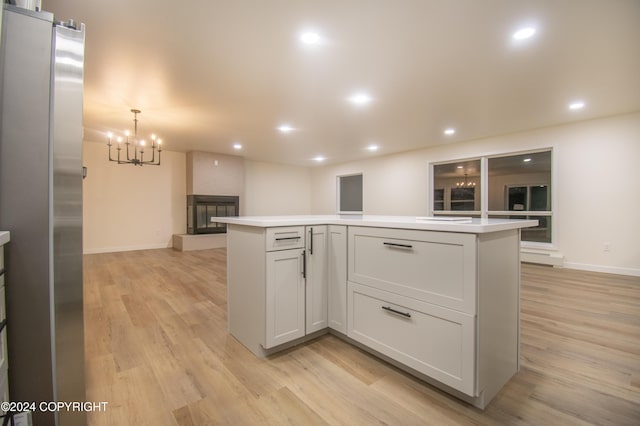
(360, 99)
(576, 105)
(237, 146)
(526, 160)
(373, 148)
(524, 33)
(319, 158)
(310, 37)
(285, 128)
(460, 167)
(449, 131)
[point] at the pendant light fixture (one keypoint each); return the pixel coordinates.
(135, 148)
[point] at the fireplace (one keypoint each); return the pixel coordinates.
(202, 211)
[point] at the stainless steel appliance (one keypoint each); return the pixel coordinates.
(41, 82)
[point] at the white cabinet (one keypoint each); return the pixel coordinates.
(285, 297)
(435, 341)
(337, 277)
(277, 290)
(316, 278)
(435, 267)
(412, 297)
(442, 305)
(284, 238)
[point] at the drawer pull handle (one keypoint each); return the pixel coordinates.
(287, 238)
(404, 246)
(390, 309)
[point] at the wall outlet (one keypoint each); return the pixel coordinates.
(607, 247)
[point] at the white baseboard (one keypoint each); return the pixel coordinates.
(542, 258)
(601, 268)
(127, 248)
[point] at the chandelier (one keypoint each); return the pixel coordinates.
(465, 183)
(134, 149)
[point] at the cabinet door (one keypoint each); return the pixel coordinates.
(316, 294)
(337, 277)
(284, 297)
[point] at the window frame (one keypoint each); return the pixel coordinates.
(484, 212)
(338, 204)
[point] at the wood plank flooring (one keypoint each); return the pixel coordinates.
(158, 351)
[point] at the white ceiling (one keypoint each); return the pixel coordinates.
(209, 73)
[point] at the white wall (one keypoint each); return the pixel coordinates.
(276, 189)
(595, 172)
(209, 173)
(128, 207)
(133, 208)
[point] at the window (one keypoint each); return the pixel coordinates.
(522, 183)
(438, 199)
(518, 186)
(350, 194)
(463, 199)
(457, 188)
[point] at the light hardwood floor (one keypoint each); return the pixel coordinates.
(158, 351)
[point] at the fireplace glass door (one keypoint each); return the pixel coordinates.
(202, 211)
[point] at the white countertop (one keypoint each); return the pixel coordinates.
(474, 226)
(4, 237)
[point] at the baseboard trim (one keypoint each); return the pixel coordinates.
(552, 259)
(601, 268)
(128, 248)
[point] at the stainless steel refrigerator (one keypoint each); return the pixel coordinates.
(41, 83)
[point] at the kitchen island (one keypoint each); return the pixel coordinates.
(436, 297)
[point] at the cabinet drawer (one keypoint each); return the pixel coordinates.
(286, 237)
(436, 267)
(435, 341)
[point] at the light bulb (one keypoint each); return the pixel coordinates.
(310, 38)
(524, 33)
